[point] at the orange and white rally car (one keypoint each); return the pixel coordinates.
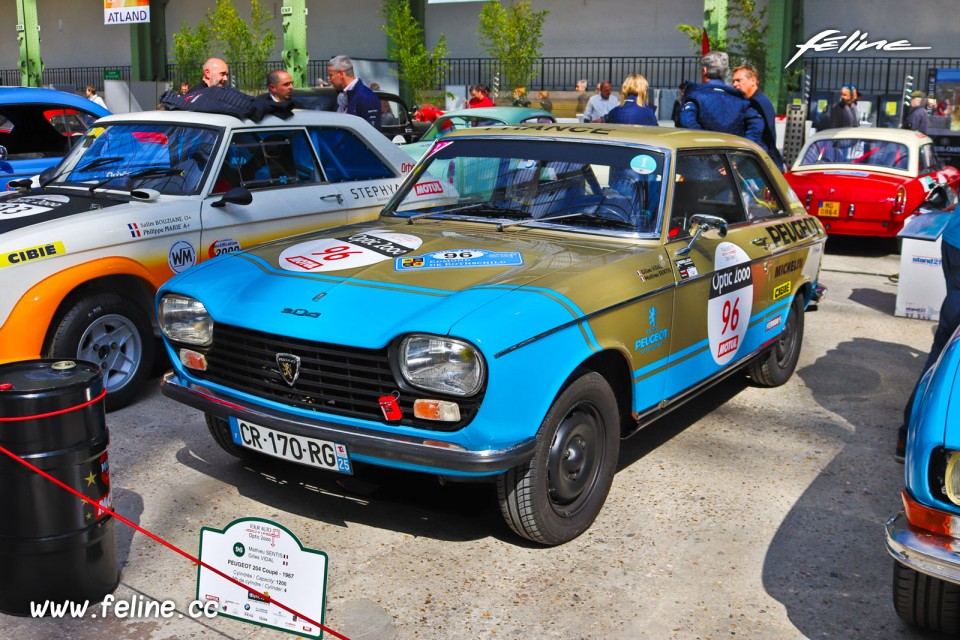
(148, 195)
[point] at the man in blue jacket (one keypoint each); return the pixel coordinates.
(715, 106)
(355, 97)
(746, 79)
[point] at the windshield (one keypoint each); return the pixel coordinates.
(856, 151)
(446, 125)
(171, 158)
(575, 184)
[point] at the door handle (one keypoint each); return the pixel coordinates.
(332, 196)
(761, 242)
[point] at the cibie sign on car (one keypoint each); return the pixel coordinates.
(529, 297)
(144, 196)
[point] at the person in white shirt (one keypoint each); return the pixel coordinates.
(600, 104)
(93, 97)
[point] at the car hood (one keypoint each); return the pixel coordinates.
(849, 185)
(364, 284)
(24, 209)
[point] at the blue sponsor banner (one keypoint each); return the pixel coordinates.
(459, 259)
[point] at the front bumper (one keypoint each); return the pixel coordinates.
(364, 445)
(929, 553)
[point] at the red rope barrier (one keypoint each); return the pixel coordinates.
(58, 412)
(150, 535)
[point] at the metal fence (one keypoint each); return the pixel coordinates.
(871, 75)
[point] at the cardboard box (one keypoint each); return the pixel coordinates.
(922, 287)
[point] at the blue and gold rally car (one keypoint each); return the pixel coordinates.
(530, 296)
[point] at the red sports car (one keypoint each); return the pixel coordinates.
(864, 181)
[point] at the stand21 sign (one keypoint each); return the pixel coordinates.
(269, 559)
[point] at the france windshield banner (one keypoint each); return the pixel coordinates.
(126, 11)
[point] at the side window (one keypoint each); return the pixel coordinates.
(704, 184)
(263, 159)
(346, 157)
(759, 194)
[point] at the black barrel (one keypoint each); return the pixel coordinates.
(53, 545)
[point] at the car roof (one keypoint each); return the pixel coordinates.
(299, 117)
(501, 113)
(36, 95)
(669, 138)
(903, 136)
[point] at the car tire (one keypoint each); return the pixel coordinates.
(112, 332)
(557, 494)
(775, 366)
(926, 602)
(220, 430)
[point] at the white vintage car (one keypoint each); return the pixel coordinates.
(148, 195)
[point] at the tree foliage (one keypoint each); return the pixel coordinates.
(512, 35)
(246, 47)
(191, 47)
(746, 36)
(419, 67)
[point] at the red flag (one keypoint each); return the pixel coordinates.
(704, 44)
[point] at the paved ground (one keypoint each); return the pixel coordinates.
(751, 513)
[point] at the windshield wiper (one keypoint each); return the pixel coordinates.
(478, 207)
(150, 172)
(579, 214)
(93, 164)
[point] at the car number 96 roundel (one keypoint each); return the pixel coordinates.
(730, 302)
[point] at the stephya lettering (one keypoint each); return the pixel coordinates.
(857, 41)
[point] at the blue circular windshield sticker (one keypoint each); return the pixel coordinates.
(643, 164)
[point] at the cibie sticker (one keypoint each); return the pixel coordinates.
(348, 252)
(730, 302)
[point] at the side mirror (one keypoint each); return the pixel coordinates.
(3, 153)
(703, 222)
(236, 195)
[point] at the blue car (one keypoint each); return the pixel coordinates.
(924, 538)
(38, 127)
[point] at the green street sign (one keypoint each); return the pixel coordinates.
(111, 74)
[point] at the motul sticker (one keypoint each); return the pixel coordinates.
(428, 188)
(348, 252)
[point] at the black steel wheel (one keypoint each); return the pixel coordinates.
(557, 494)
(925, 601)
(775, 366)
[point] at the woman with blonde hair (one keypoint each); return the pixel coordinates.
(633, 107)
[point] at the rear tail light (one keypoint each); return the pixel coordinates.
(899, 202)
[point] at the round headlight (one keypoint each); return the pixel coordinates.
(952, 477)
(185, 320)
(440, 364)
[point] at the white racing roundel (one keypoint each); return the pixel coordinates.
(730, 302)
(347, 252)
